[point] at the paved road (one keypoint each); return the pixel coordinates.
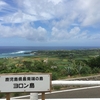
(79, 93)
(85, 92)
(76, 93)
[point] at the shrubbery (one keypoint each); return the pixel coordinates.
(71, 67)
(85, 70)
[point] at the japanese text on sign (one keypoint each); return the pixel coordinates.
(27, 83)
(8, 79)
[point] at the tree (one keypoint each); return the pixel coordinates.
(94, 62)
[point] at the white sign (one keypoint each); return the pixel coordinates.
(25, 83)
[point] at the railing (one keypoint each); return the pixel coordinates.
(59, 83)
(34, 96)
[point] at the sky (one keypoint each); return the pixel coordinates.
(49, 22)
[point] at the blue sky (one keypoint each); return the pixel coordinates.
(49, 22)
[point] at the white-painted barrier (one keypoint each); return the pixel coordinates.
(66, 83)
(75, 99)
(34, 96)
(63, 99)
(60, 83)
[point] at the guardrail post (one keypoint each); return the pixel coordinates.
(33, 96)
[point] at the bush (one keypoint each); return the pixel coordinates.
(94, 62)
(56, 87)
(71, 71)
(16, 94)
(54, 76)
(85, 70)
(2, 95)
(96, 70)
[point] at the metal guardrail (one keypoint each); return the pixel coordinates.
(34, 96)
(65, 99)
(59, 83)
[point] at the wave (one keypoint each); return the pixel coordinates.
(19, 52)
(16, 54)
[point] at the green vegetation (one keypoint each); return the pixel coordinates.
(61, 63)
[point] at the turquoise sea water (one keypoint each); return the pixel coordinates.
(17, 51)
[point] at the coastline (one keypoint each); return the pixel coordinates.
(12, 55)
(22, 51)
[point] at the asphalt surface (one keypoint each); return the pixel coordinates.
(83, 93)
(78, 93)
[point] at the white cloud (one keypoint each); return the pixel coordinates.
(84, 35)
(63, 34)
(74, 34)
(95, 37)
(89, 13)
(18, 17)
(58, 34)
(33, 10)
(74, 31)
(55, 1)
(67, 19)
(85, 11)
(2, 3)
(24, 31)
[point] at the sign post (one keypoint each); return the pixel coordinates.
(43, 95)
(7, 96)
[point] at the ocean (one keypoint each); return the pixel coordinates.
(18, 51)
